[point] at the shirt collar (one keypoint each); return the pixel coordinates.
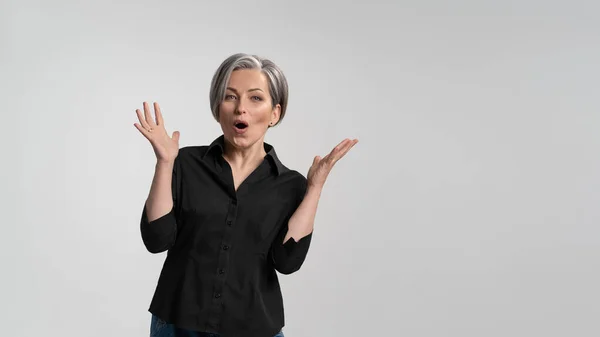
(218, 146)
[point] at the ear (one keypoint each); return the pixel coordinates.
(275, 114)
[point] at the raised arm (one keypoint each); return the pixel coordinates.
(291, 245)
(158, 223)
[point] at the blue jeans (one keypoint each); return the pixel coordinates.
(160, 328)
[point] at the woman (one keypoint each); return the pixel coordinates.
(230, 214)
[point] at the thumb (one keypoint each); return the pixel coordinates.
(176, 136)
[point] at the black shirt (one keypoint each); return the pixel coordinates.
(225, 246)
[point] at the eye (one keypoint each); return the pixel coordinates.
(230, 97)
(256, 98)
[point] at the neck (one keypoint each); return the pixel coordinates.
(246, 158)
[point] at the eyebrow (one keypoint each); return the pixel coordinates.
(253, 89)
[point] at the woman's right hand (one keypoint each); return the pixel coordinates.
(165, 147)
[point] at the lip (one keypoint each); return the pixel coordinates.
(237, 121)
(237, 130)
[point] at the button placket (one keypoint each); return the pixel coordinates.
(223, 264)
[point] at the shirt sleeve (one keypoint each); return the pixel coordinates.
(288, 257)
(159, 235)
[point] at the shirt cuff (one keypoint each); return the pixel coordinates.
(291, 246)
(159, 234)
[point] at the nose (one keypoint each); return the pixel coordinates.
(241, 107)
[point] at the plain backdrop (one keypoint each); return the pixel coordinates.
(470, 206)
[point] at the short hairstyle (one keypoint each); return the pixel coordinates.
(278, 86)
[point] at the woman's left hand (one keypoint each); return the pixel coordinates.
(318, 172)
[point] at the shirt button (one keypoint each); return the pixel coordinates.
(225, 247)
(234, 202)
(229, 223)
(217, 295)
(221, 271)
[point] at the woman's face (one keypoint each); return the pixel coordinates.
(246, 110)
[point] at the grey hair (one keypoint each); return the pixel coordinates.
(278, 86)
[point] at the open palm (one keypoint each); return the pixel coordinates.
(165, 147)
(321, 167)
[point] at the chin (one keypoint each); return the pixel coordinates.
(240, 142)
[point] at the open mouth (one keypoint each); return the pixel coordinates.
(240, 125)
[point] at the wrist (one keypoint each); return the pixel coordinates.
(314, 190)
(165, 163)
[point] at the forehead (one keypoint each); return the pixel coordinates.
(246, 79)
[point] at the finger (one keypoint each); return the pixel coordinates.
(348, 146)
(330, 158)
(334, 154)
(341, 152)
(345, 150)
(334, 150)
(142, 119)
(176, 136)
(340, 145)
(148, 116)
(158, 113)
(142, 130)
(316, 160)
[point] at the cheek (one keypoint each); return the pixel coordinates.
(225, 112)
(263, 115)
(225, 107)
(262, 119)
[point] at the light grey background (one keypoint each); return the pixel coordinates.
(468, 208)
